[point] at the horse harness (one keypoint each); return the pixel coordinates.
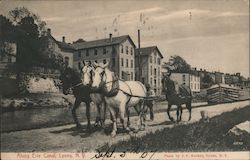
(115, 88)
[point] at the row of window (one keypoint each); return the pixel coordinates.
(158, 60)
(104, 51)
(155, 82)
(155, 71)
(195, 86)
(194, 78)
(127, 63)
(127, 50)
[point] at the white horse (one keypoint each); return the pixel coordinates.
(97, 98)
(119, 95)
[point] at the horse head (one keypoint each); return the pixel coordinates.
(101, 75)
(69, 78)
(87, 74)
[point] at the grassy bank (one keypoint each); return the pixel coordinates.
(199, 136)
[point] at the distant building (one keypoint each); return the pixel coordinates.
(118, 51)
(150, 67)
(191, 80)
(60, 47)
(219, 77)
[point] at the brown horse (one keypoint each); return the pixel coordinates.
(174, 98)
(71, 79)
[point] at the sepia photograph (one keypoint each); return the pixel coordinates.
(124, 79)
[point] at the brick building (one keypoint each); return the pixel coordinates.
(150, 67)
(118, 51)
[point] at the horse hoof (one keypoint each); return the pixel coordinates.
(171, 119)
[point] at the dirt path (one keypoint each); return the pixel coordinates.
(66, 138)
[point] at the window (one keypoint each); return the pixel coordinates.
(132, 51)
(126, 49)
(121, 48)
(151, 80)
(126, 62)
(155, 72)
(159, 61)
(155, 60)
(122, 62)
(96, 52)
(79, 54)
(150, 59)
(104, 61)
(159, 72)
(183, 78)
(191, 85)
(151, 70)
(104, 51)
(132, 63)
(155, 82)
(132, 75)
(87, 53)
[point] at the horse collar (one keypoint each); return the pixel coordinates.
(115, 87)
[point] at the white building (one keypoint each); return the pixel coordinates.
(191, 80)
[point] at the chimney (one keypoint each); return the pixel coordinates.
(63, 39)
(110, 37)
(48, 31)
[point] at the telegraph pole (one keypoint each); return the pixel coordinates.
(139, 55)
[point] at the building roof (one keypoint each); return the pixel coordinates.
(147, 51)
(102, 42)
(64, 45)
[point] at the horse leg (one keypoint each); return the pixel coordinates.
(142, 114)
(88, 115)
(121, 113)
(168, 110)
(128, 120)
(189, 107)
(73, 111)
(98, 117)
(113, 118)
(181, 112)
(178, 113)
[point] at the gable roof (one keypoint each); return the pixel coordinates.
(147, 51)
(64, 45)
(60, 44)
(102, 42)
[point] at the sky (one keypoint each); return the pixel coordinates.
(208, 34)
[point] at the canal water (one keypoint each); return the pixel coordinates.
(41, 117)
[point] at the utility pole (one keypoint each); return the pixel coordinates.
(139, 55)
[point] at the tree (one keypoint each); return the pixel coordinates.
(207, 81)
(17, 15)
(178, 64)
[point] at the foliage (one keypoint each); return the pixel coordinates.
(207, 81)
(19, 14)
(178, 64)
(28, 31)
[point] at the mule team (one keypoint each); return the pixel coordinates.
(98, 84)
